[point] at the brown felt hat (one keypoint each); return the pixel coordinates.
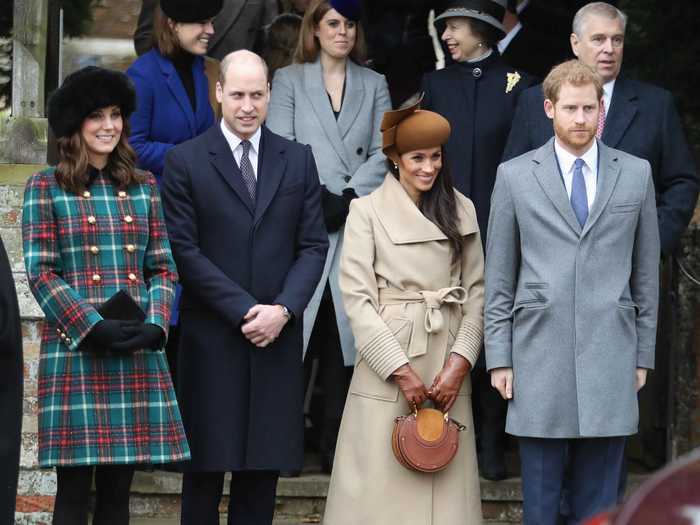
(412, 128)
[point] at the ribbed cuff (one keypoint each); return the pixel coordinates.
(383, 354)
(468, 341)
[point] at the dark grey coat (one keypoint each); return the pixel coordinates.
(572, 310)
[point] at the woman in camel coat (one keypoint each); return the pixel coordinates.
(412, 282)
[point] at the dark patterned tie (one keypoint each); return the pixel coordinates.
(247, 169)
(579, 199)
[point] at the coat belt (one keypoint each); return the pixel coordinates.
(433, 320)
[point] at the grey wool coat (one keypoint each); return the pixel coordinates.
(347, 153)
(572, 310)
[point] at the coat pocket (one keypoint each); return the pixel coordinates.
(366, 383)
(625, 207)
(402, 328)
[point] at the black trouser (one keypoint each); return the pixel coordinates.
(251, 497)
(489, 418)
(113, 483)
(333, 376)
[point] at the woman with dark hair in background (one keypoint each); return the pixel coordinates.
(11, 383)
(329, 101)
(92, 227)
(412, 277)
(477, 94)
(281, 38)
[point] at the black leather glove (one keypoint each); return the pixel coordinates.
(336, 207)
(145, 336)
(106, 333)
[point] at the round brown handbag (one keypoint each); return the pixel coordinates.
(426, 440)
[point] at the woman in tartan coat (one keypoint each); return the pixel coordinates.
(93, 226)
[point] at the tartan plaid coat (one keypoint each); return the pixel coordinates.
(79, 250)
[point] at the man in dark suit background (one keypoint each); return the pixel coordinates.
(11, 381)
(639, 119)
(237, 26)
(243, 211)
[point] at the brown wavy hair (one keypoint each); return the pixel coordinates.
(439, 205)
(308, 47)
(72, 171)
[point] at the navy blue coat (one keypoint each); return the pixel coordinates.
(642, 121)
(10, 389)
(164, 116)
(480, 110)
(242, 405)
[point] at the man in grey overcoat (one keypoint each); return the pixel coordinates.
(571, 301)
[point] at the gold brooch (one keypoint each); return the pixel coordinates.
(511, 80)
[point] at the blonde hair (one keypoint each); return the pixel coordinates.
(573, 72)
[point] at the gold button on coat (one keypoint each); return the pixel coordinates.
(92, 219)
(96, 277)
(94, 250)
(130, 248)
(132, 276)
(86, 194)
(128, 219)
(122, 194)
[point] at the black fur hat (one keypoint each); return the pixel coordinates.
(85, 91)
(187, 11)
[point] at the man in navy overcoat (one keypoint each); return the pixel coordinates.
(640, 119)
(243, 211)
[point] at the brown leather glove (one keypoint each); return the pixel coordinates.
(447, 383)
(411, 386)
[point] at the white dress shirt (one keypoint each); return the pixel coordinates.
(506, 40)
(590, 169)
(234, 142)
(607, 95)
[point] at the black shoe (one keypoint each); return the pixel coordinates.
(327, 462)
(290, 473)
(492, 466)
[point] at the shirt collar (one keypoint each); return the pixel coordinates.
(234, 140)
(566, 159)
(506, 40)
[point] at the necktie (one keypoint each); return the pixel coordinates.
(579, 199)
(247, 169)
(601, 121)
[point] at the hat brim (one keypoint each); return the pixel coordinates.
(456, 12)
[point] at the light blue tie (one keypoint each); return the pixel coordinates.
(579, 199)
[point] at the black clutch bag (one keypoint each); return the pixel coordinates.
(121, 307)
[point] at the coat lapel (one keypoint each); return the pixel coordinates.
(177, 90)
(354, 96)
(225, 19)
(221, 157)
(271, 168)
(623, 108)
(318, 98)
(608, 173)
(547, 173)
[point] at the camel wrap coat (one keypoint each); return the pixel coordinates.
(407, 303)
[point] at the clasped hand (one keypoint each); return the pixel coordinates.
(444, 389)
(123, 336)
(263, 324)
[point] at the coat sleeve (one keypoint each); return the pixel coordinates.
(501, 277)
(644, 282)
(370, 173)
(519, 137)
(159, 270)
(201, 277)
(358, 283)
(471, 330)
(280, 116)
(311, 245)
(151, 153)
(677, 179)
(60, 303)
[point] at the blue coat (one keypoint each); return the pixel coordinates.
(242, 405)
(642, 121)
(164, 116)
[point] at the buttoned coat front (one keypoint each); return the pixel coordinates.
(79, 250)
(347, 152)
(242, 405)
(407, 303)
(572, 310)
